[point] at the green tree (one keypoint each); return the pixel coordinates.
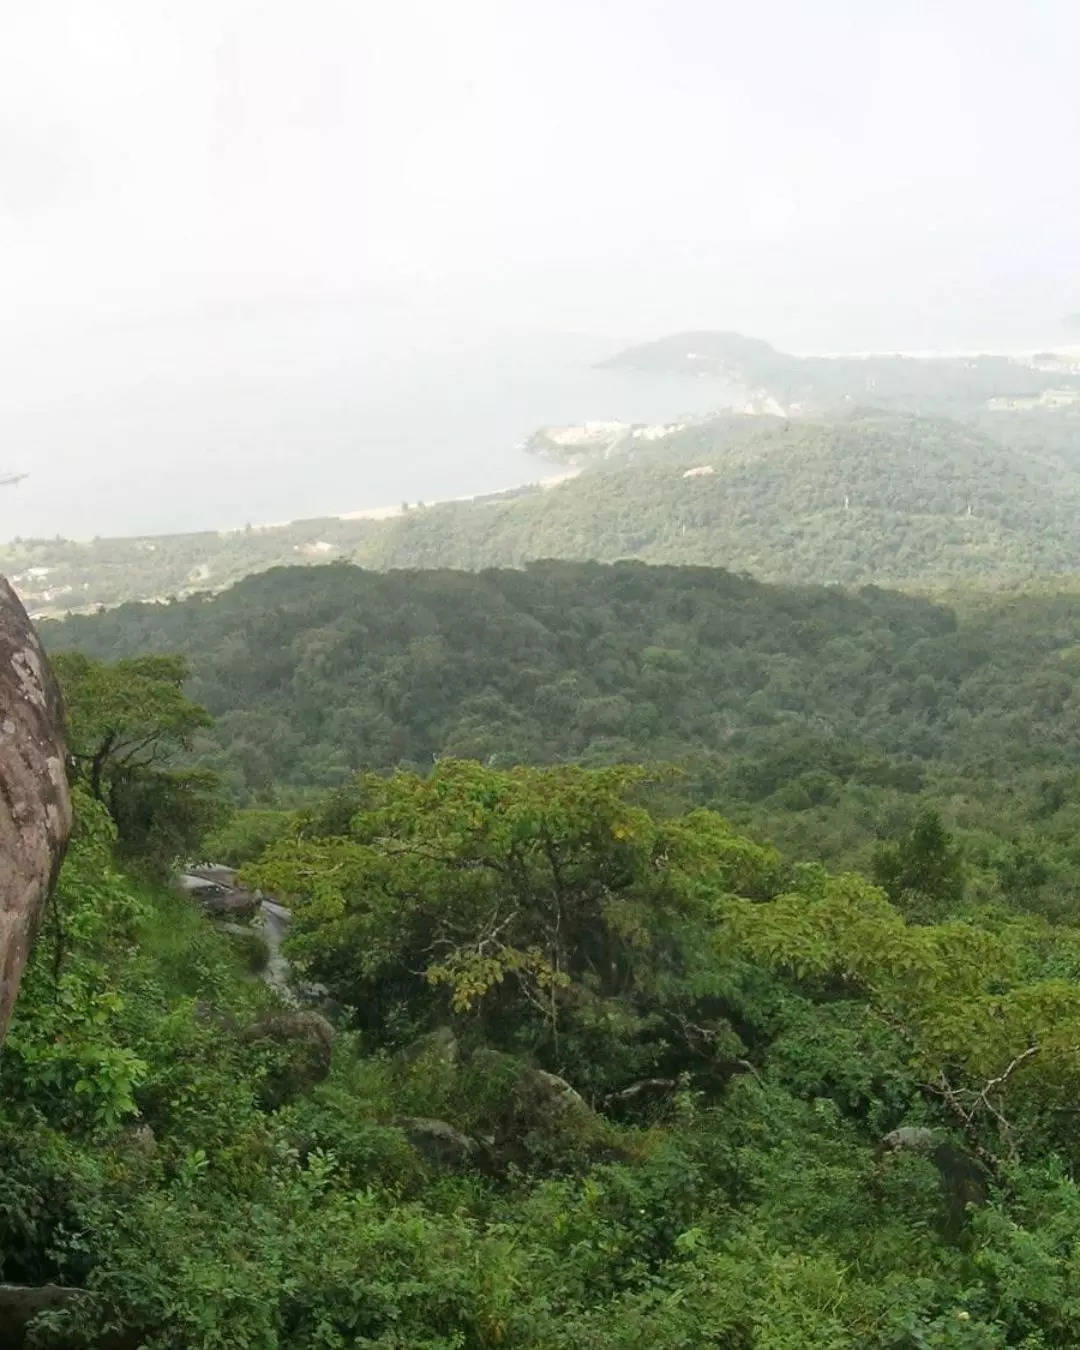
(129, 723)
(545, 905)
(992, 1027)
(924, 871)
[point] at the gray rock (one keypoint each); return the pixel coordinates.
(533, 1116)
(141, 1139)
(550, 1099)
(304, 1045)
(440, 1045)
(911, 1138)
(235, 903)
(21, 1303)
(217, 897)
(219, 872)
(35, 807)
(438, 1142)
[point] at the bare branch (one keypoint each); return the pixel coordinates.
(628, 1094)
(977, 1101)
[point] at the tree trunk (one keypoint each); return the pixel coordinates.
(97, 766)
(35, 808)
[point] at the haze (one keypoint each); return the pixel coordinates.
(263, 259)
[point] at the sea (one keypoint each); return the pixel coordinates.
(212, 419)
(223, 421)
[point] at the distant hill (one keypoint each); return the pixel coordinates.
(893, 500)
(312, 672)
(870, 496)
(955, 386)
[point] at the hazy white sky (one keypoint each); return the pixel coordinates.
(184, 185)
(612, 165)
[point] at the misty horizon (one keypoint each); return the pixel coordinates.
(295, 423)
(247, 250)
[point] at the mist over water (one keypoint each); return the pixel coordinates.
(287, 410)
(228, 422)
(240, 242)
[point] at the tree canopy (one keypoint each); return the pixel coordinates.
(128, 722)
(864, 496)
(824, 719)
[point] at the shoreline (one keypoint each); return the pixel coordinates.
(372, 513)
(381, 513)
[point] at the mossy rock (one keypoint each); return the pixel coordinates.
(298, 1047)
(530, 1117)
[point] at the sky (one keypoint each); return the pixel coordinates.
(213, 195)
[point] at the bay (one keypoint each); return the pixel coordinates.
(219, 421)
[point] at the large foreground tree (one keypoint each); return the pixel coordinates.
(130, 724)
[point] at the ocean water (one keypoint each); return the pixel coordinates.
(220, 421)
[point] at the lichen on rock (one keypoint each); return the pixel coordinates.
(35, 807)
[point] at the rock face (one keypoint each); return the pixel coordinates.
(35, 809)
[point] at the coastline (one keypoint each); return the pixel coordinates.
(378, 513)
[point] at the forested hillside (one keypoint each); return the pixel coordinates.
(870, 498)
(569, 1056)
(863, 497)
(822, 717)
(598, 1079)
(578, 847)
(954, 385)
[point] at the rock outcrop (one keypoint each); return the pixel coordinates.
(35, 808)
(300, 1045)
(20, 1304)
(438, 1142)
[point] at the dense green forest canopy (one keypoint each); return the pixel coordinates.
(889, 500)
(601, 1077)
(822, 717)
(859, 497)
(325, 671)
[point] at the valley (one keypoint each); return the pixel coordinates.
(666, 888)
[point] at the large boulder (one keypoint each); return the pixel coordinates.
(550, 1101)
(964, 1179)
(534, 1118)
(218, 898)
(910, 1139)
(35, 808)
(437, 1141)
(21, 1303)
(298, 1046)
(235, 904)
(434, 1047)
